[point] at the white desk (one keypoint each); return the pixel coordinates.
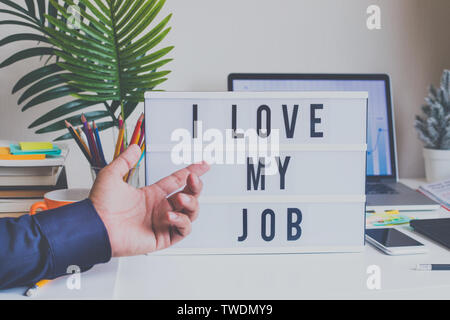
(283, 276)
(96, 284)
(287, 276)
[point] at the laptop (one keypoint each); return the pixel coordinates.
(383, 190)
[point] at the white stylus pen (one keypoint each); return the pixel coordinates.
(432, 267)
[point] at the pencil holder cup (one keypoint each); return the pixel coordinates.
(94, 172)
(132, 178)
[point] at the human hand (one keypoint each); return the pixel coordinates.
(144, 220)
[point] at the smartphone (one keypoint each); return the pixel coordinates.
(393, 242)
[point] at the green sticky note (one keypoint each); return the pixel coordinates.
(16, 150)
(33, 146)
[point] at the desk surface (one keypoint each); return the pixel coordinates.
(271, 276)
(288, 276)
(97, 283)
(283, 276)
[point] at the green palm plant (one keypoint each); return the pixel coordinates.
(109, 59)
(45, 83)
(33, 16)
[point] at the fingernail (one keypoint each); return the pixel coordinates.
(173, 216)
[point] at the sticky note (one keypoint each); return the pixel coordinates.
(392, 211)
(6, 155)
(15, 150)
(29, 146)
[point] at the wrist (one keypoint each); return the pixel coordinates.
(76, 236)
(103, 215)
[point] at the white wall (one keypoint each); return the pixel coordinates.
(214, 38)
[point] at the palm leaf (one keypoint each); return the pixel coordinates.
(43, 78)
(61, 111)
(31, 7)
(36, 75)
(110, 60)
(23, 36)
(25, 54)
(41, 85)
(117, 70)
(40, 80)
(50, 95)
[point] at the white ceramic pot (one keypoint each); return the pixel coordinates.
(437, 164)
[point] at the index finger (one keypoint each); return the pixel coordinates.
(178, 179)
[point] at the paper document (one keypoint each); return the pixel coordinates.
(438, 191)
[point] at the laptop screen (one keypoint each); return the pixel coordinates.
(380, 160)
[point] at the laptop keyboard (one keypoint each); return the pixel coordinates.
(379, 188)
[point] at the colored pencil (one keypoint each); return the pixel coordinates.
(122, 147)
(80, 145)
(132, 171)
(119, 143)
(96, 152)
(34, 289)
(99, 144)
(141, 137)
(90, 139)
(137, 131)
(80, 136)
(137, 139)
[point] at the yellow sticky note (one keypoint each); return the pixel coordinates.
(392, 212)
(30, 146)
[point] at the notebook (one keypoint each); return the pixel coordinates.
(439, 192)
(435, 229)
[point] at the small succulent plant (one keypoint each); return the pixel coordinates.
(434, 127)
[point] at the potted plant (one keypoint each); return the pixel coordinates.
(95, 53)
(434, 130)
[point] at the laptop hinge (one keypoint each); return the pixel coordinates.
(380, 179)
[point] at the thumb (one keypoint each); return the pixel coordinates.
(126, 161)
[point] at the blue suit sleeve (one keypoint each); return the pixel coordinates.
(43, 246)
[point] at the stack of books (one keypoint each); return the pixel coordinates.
(439, 192)
(27, 172)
